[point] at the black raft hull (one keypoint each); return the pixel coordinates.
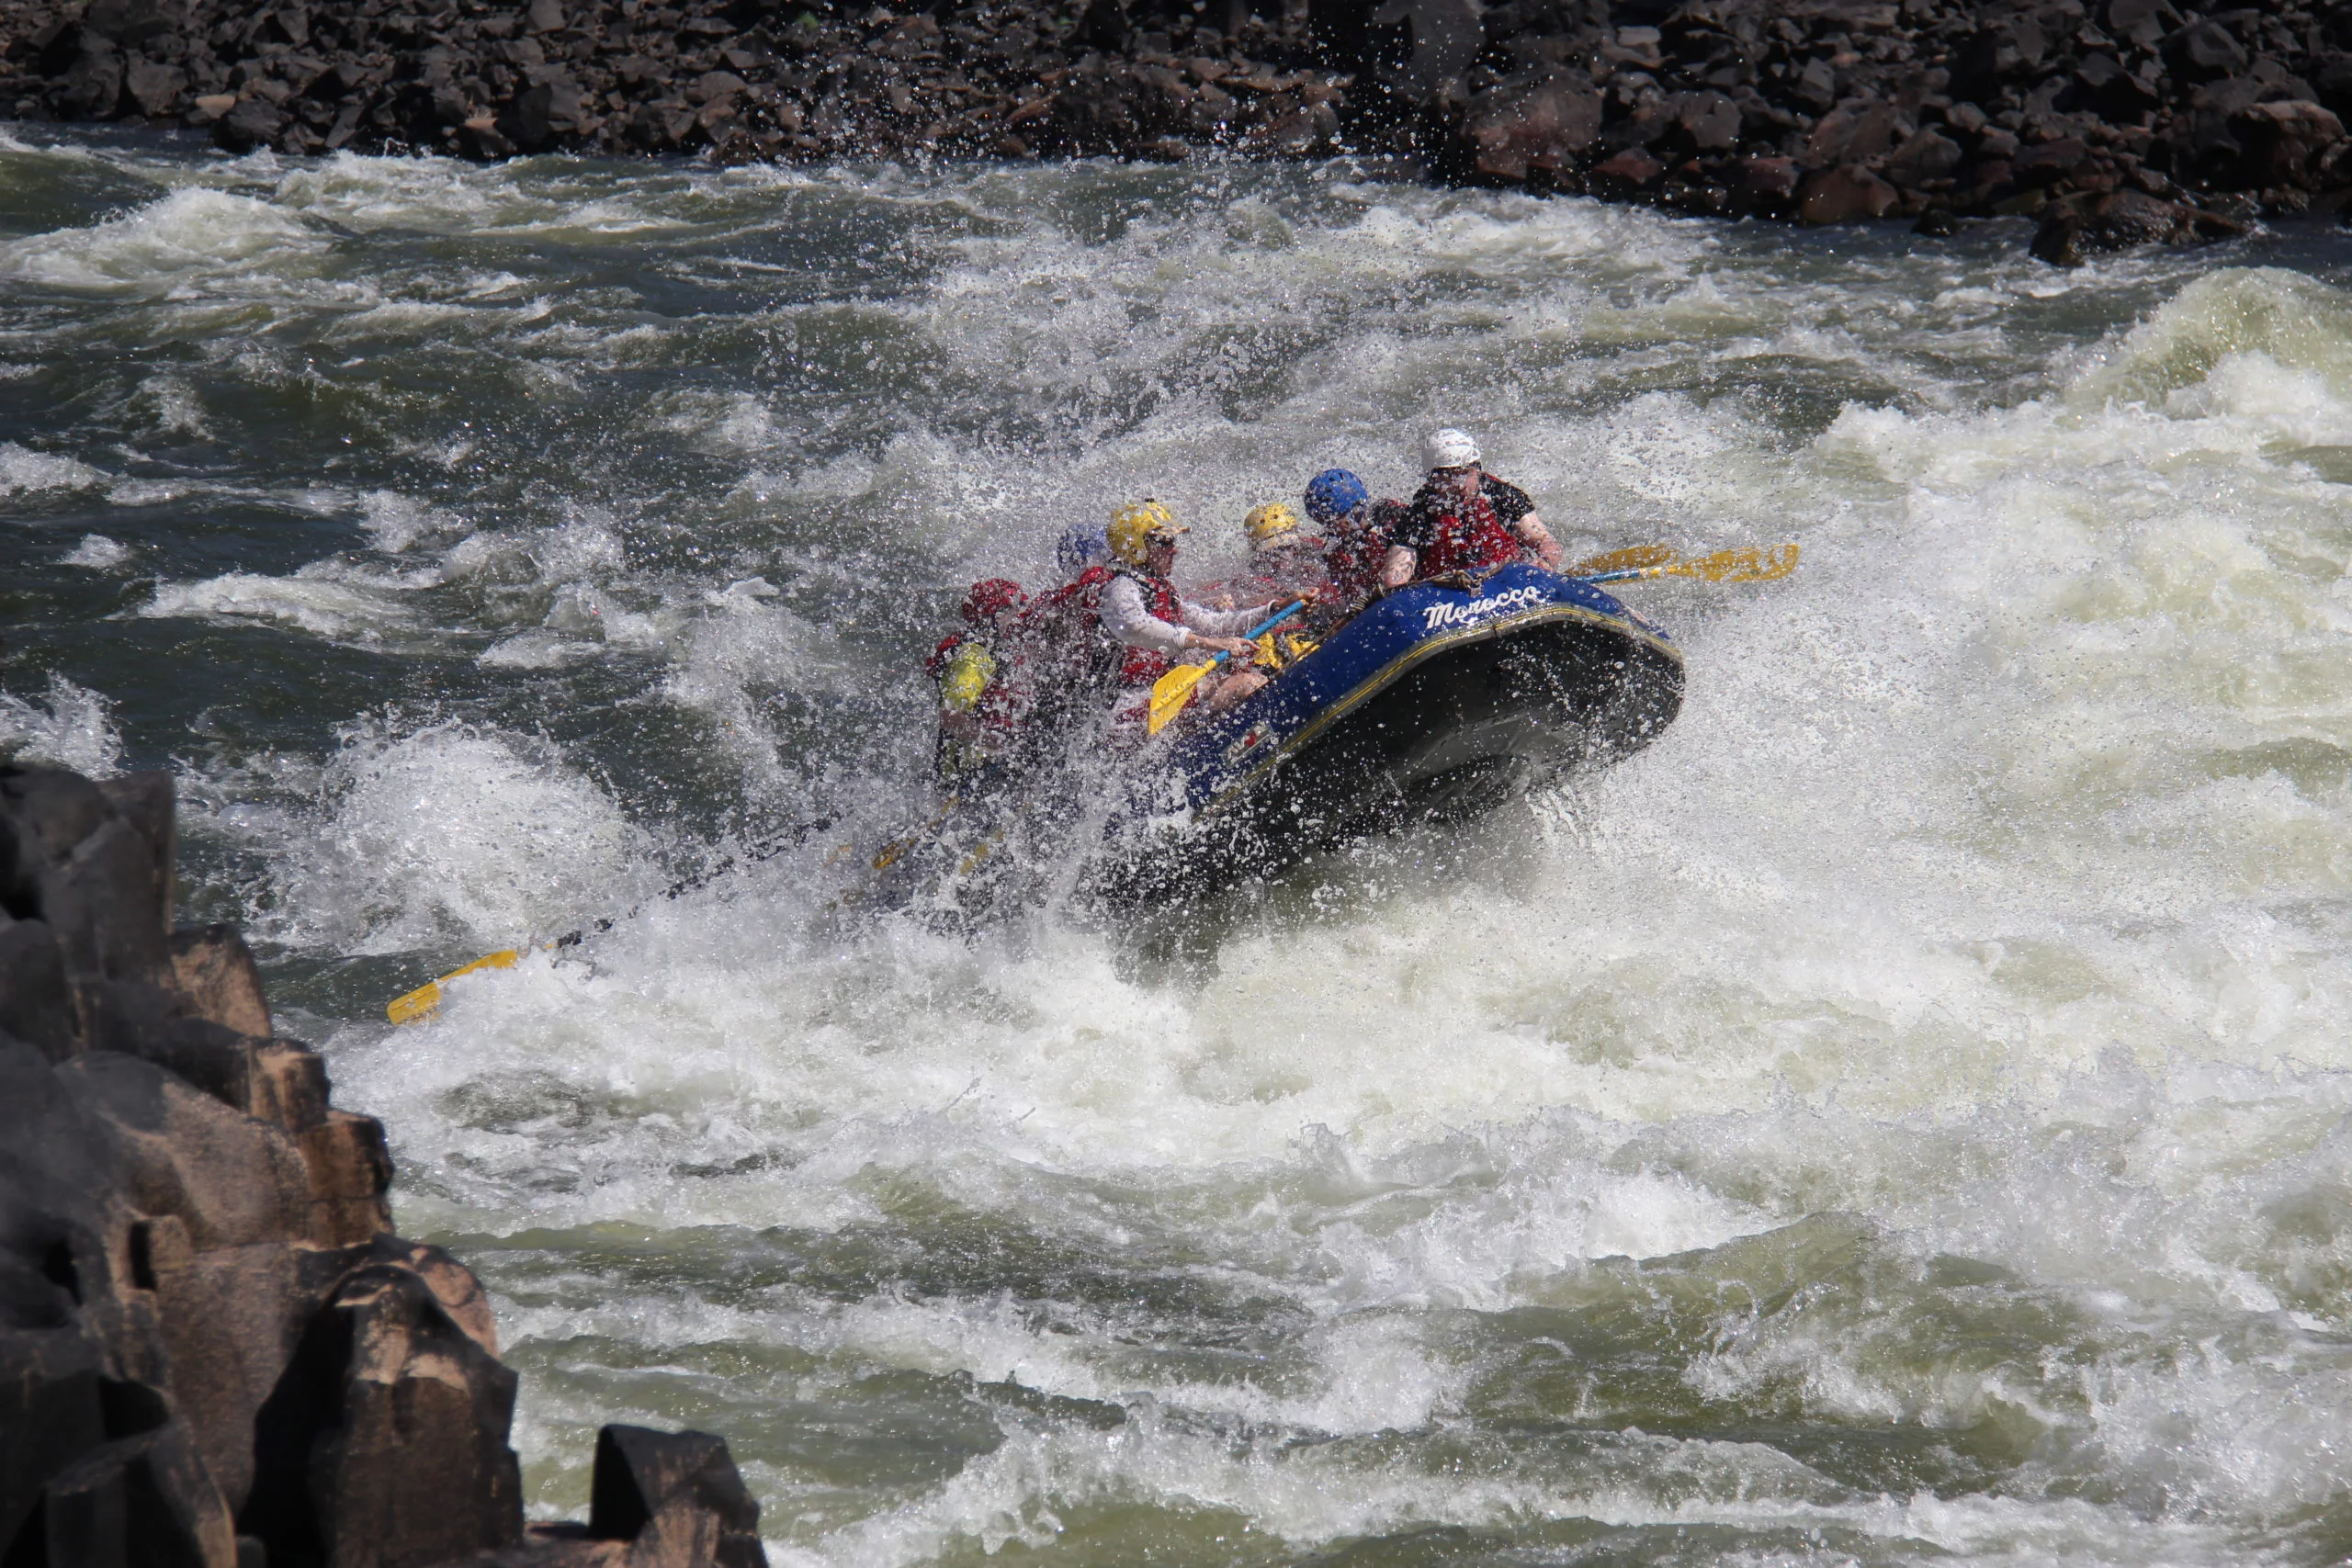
(1435, 704)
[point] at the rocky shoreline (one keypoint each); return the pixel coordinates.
(2117, 122)
(213, 1351)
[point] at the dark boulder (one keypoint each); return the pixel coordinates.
(1540, 120)
(384, 1444)
(2284, 144)
(1845, 195)
(1925, 158)
(2204, 51)
(677, 1496)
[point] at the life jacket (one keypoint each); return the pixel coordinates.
(990, 685)
(1142, 666)
(1358, 550)
(1071, 667)
(1277, 575)
(1468, 537)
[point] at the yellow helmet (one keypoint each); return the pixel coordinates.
(1135, 524)
(1269, 523)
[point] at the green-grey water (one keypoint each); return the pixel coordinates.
(1900, 1117)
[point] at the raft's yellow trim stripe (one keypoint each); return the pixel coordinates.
(1373, 685)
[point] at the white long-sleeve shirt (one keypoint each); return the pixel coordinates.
(1127, 619)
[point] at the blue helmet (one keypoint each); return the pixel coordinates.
(1082, 545)
(1333, 494)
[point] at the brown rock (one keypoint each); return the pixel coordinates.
(1537, 120)
(2284, 143)
(155, 88)
(36, 1004)
(231, 1319)
(384, 1445)
(74, 860)
(139, 1500)
(350, 1171)
(1855, 133)
(2071, 230)
(677, 1497)
(1768, 177)
(1631, 170)
(1845, 195)
(215, 975)
(232, 1181)
(2051, 163)
(1928, 155)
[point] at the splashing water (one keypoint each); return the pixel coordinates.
(1902, 1115)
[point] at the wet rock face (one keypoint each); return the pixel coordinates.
(213, 1351)
(1956, 106)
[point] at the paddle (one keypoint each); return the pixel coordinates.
(1173, 690)
(423, 1001)
(1751, 563)
(1632, 559)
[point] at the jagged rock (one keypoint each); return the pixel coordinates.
(2203, 51)
(1629, 171)
(2070, 232)
(36, 1005)
(128, 1503)
(1855, 133)
(384, 1445)
(676, 1497)
(1846, 195)
(1540, 120)
(253, 123)
(1447, 36)
(214, 973)
(1927, 156)
(2284, 143)
(68, 857)
(203, 1314)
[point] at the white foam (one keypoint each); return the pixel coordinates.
(194, 239)
(97, 553)
(23, 471)
(453, 832)
(75, 728)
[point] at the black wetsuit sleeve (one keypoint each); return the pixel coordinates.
(1510, 501)
(1416, 526)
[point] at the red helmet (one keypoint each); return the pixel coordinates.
(991, 598)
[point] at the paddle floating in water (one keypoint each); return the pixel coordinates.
(425, 1000)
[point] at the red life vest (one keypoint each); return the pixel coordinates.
(1469, 536)
(1142, 666)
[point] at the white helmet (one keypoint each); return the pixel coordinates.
(1449, 449)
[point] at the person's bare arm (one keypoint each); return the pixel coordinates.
(1398, 569)
(1538, 539)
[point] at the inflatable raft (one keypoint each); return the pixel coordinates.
(1438, 702)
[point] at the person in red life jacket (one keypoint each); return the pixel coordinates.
(1285, 562)
(1359, 530)
(981, 704)
(1463, 519)
(1142, 612)
(1073, 672)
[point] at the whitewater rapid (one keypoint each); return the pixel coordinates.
(1900, 1115)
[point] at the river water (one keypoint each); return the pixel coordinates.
(1902, 1116)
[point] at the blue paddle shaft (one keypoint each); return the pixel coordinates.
(1262, 628)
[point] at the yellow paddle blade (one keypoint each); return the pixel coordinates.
(425, 1000)
(1752, 564)
(1632, 560)
(1171, 691)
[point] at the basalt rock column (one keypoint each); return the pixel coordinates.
(213, 1351)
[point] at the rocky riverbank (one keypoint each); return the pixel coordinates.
(2118, 121)
(213, 1351)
